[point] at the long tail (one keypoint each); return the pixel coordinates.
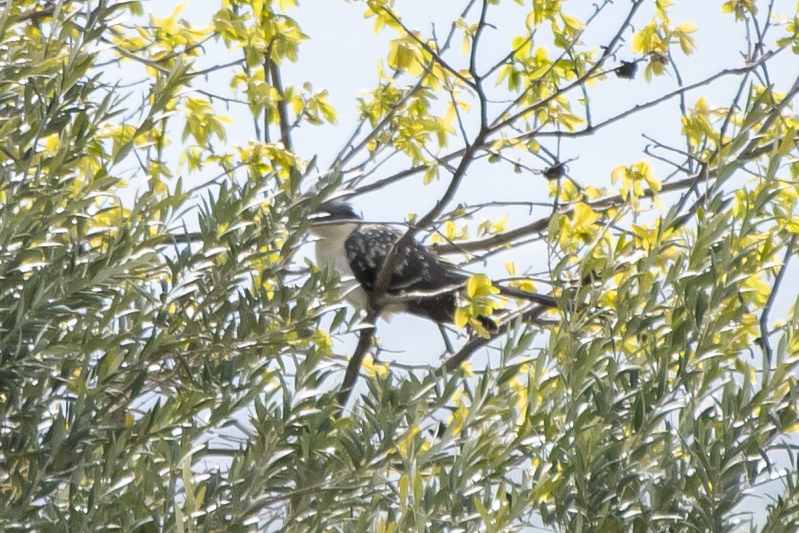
(535, 297)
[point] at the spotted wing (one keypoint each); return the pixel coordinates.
(416, 268)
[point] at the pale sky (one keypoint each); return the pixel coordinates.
(342, 55)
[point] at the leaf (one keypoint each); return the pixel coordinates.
(431, 173)
(461, 318)
(480, 285)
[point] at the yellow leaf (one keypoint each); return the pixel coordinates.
(638, 41)
(324, 343)
(542, 53)
(530, 21)
(51, 142)
(738, 203)
(461, 318)
(178, 10)
(500, 226)
(687, 44)
(450, 115)
(571, 22)
(380, 23)
(617, 174)
(477, 326)
(480, 285)
(523, 46)
(758, 289)
(431, 173)
(583, 216)
(569, 120)
(701, 107)
(373, 369)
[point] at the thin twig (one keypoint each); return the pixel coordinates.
(282, 112)
(438, 59)
(652, 103)
(764, 334)
(496, 126)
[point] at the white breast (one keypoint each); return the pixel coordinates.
(331, 254)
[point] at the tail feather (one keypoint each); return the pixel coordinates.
(534, 297)
(489, 325)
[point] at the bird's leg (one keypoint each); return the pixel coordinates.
(447, 343)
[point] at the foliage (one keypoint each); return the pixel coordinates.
(154, 378)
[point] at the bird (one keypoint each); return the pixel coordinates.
(426, 285)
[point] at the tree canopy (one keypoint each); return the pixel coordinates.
(169, 362)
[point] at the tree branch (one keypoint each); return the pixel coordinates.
(285, 127)
(354, 365)
(640, 107)
(496, 126)
(430, 51)
(764, 334)
(476, 342)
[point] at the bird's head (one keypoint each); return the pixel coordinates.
(332, 218)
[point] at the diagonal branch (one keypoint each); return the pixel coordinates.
(438, 59)
(477, 342)
(542, 224)
(652, 103)
(499, 125)
(764, 334)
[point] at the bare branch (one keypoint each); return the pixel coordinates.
(354, 366)
(764, 333)
(272, 69)
(438, 59)
(476, 342)
(496, 126)
(640, 107)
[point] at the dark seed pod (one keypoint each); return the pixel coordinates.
(555, 171)
(627, 70)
